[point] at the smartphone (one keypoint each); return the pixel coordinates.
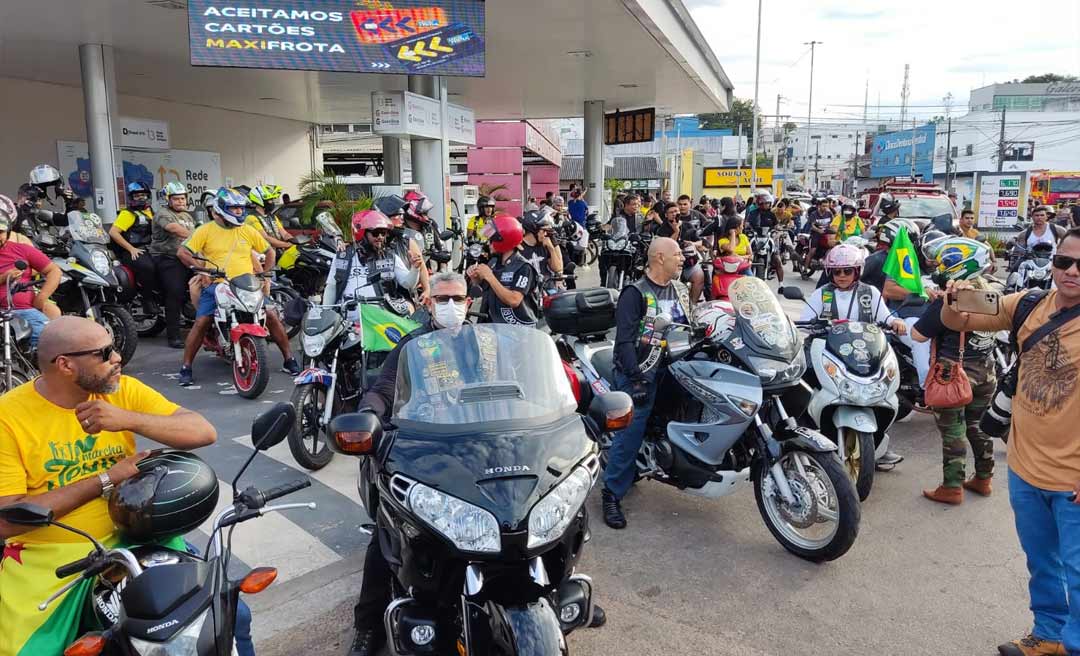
(976, 301)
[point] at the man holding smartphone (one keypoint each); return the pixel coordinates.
(1044, 454)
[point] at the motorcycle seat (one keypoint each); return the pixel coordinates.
(604, 363)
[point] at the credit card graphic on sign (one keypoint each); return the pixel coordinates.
(385, 25)
(436, 47)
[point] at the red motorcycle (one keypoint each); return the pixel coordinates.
(726, 270)
(238, 334)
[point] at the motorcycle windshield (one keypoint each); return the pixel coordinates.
(87, 228)
(247, 282)
(326, 225)
(764, 321)
(318, 320)
(450, 380)
(859, 346)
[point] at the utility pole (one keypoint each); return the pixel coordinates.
(738, 166)
(948, 153)
(865, 100)
(912, 149)
(776, 145)
(904, 92)
(855, 165)
(1001, 142)
(810, 104)
(757, 75)
(817, 159)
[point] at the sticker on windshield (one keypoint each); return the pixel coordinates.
(748, 310)
(737, 343)
(872, 329)
(861, 356)
(845, 350)
(855, 328)
(858, 343)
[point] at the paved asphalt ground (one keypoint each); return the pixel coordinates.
(688, 576)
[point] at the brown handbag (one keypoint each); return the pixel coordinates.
(947, 385)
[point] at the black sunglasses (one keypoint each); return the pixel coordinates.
(444, 298)
(1064, 262)
(379, 233)
(105, 353)
(845, 271)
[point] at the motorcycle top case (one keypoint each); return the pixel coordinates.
(581, 312)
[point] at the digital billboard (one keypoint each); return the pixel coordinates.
(891, 153)
(443, 37)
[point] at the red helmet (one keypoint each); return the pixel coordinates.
(504, 232)
(369, 220)
(417, 206)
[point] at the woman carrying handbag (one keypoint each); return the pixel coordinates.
(961, 381)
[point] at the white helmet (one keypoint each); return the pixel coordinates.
(44, 175)
(173, 188)
(718, 317)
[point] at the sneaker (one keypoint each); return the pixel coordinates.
(365, 643)
(291, 367)
(1029, 645)
(613, 514)
(888, 460)
(186, 376)
(176, 343)
(599, 617)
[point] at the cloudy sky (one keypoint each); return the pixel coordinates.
(953, 46)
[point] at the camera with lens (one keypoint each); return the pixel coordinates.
(997, 419)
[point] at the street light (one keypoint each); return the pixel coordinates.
(757, 75)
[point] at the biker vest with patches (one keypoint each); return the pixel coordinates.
(383, 265)
(675, 303)
(141, 231)
(863, 296)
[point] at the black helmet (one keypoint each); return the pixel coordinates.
(536, 220)
(888, 204)
(173, 493)
(390, 205)
(485, 201)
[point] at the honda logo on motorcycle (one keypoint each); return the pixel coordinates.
(509, 469)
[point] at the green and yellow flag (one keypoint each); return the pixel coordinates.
(383, 329)
(902, 264)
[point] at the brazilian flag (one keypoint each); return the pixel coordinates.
(902, 264)
(383, 329)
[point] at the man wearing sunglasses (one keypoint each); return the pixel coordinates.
(67, 440)
(368, 268)
(1044, 454)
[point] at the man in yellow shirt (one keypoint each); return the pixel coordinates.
(66, 440)
(227, 242)
(263, 199)
(848, 223)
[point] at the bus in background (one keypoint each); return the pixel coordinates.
(1055, 187)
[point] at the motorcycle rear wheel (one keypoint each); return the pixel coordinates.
(305, 439)
(121, 326)
(252, 373)
(594, 252)
(826, 481)
(859, 459)
(18, 377)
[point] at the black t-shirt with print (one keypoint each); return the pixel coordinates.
(516, 274)
(538, 257)
(977, 345)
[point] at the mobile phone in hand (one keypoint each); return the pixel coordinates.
(975, 301)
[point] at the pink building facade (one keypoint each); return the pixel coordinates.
(522, 155)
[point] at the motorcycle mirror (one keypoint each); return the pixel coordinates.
(355, 434)
(21, 265)
(662, 322)
(793, 293)
(300, 240)
(446, 235)
(612, 411)
(272, 426)
(26, 514)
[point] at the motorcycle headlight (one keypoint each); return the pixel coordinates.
(101, 263)
(861, 393)
(776, 372)
(314, 344)
(552, 515)
(183, 643)
(468, 527)
(251, 300)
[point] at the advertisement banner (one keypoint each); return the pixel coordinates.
(1000, 199)
(716, 177)
(143, 134)
(199, 171)
(891, 153)
(434, 37)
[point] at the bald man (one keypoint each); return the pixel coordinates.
(637, 358)
(67, 439)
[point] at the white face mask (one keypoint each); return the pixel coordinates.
(451, 314)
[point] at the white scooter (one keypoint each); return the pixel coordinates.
(855, 376)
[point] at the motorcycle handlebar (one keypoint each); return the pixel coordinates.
(74, 567)
(285, 489)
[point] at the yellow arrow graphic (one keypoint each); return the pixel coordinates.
(409, 55)
(436, 44)
(421, 51)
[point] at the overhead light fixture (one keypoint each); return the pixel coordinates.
(168, 4)
(580, 53)
(270, 98)
(628, 86)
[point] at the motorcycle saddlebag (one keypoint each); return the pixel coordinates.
(581, 312)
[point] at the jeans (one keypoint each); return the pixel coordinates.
(1048, 525)
(36, 319)
(622, 456)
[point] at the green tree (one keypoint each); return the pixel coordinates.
(1049, 77)
(741, 113)
(789, 127)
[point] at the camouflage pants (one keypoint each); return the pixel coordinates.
(958, 424)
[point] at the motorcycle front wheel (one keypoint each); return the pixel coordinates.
(122, 328)
(823, 522)
(305, 439)
(251, 372)
(859, 459)
(594, 252)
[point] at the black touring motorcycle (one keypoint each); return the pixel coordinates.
(478, 490)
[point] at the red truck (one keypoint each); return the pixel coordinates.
(918, 200)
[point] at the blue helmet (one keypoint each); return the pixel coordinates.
(231, 206)
(137, 188)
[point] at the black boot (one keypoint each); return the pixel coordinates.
(366, 643)
(599, 617)
(613, 514)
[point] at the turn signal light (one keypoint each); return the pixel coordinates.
(91, 644)
(356, 443)
(619, 419)
(258, 580)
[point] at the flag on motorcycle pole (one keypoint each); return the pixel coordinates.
(902, 264)
(383, 329)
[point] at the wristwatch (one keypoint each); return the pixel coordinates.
(107, 486)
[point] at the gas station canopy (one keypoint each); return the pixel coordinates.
(543, 60)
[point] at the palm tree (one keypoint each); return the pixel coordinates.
(322, 190)
(492, 191)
